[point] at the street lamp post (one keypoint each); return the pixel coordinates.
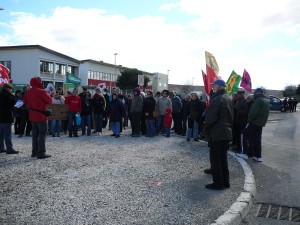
(115, 66)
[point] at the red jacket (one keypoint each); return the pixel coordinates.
(74, 103)
(168, 118)
(37, 98)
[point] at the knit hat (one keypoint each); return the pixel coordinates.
(260, 90)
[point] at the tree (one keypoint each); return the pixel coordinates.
(129, 79)
(289, 91)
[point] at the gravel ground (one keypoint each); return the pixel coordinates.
(105, 180)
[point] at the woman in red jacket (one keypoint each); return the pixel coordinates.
(36, 98)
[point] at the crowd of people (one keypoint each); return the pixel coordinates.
(290, 104)
(226, 119)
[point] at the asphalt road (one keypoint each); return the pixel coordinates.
(278, 177)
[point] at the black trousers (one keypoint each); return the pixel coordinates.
(177, 122)
(39, 133)
(219, 164)
(136, 122)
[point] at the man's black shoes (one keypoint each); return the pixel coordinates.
(213, 187)
(43, 156)
(207, 171)
(12, 152)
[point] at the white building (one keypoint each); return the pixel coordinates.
(28, 61)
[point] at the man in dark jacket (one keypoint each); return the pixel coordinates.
(116, 114)
(86, 112)
(7, 102)
(257, 119)
(36, 98)
(136, 109)
(218, 130)
(148, 109)
(240, 118)
(176, 108)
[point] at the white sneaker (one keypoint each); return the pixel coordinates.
(257, 159)
(241, 155)
(99, 133)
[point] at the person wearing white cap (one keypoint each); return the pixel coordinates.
(218, 131)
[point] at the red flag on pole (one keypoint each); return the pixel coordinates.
(4, 75)
(246, 81)
(206, 87)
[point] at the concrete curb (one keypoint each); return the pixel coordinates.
(238, 211)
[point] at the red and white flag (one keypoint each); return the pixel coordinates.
(4, 75)
(246, 81)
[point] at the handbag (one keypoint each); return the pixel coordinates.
(46, 112)
(78, 119)
(155, 114)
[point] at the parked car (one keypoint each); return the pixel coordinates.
(276, 104)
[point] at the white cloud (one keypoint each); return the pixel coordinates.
(149, 43)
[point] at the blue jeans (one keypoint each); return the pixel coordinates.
(73, 128)
(167, 129)
(115, 127)
(193, 131)
(159, 126)
(150, 124)
(98, 122)
(5, 136)
(86, 122)
(55, 126)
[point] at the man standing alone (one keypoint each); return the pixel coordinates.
(7, 102)
(37, 99)
(218, 129)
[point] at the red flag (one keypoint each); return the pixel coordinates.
(206, 87)
(212, 70)
(4, 78)
(246, 81)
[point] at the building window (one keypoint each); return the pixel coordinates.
(89, 74)
(46, 67)
(100, 76)
(61, 69)
(72, 70)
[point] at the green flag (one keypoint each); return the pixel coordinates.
(233, 82)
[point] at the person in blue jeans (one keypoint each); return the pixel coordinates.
(7, 102)
(86, 111)
(116, 113)
(98, 107)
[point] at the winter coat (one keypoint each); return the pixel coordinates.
(116, 111)
(259, 111)
(168, 118)
(176, 104)
(149, 106)
(162, 104)
(37, 98)
(195, 109)
(137, 104)
(98, 104)
(7, 102)
(241, 108)
(219, 117)
(184, 107)
(86, 105)
(74, 103)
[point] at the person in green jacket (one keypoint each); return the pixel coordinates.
(218, 131)
(257, 119)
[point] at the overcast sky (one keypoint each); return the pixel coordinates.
(262, 36)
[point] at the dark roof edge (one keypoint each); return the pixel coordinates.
(41, 48)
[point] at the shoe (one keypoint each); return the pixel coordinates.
(43, 156)
(213, 187)
(113, 135)
(167, 136)
(241, 155)
(76, 136)
(2, 151)
(12, 152)
(117, 136)
(57, 135)
(20, 135)
(207, 171)
(196, 139)
(226, 185)
(70, 135)
(257, 159)
(187, 139)
(53, 135)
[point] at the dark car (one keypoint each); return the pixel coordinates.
(276, 104)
